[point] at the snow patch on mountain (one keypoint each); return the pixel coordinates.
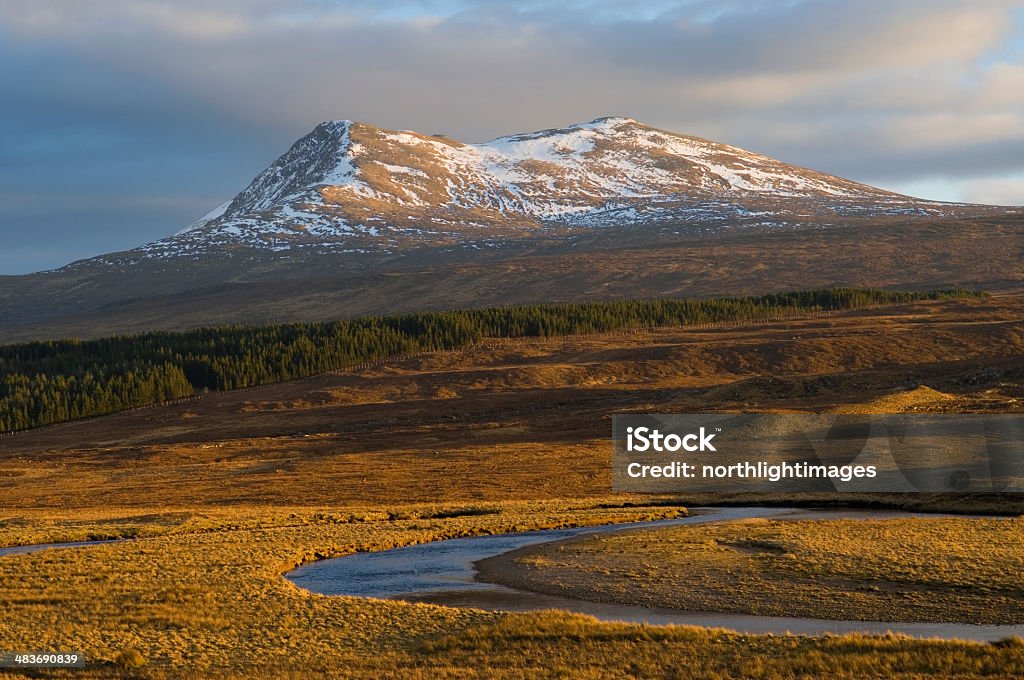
(349, 187)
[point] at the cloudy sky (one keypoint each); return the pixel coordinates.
(124, 120)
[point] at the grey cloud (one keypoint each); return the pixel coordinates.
(189, 99)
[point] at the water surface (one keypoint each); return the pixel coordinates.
(442, 572)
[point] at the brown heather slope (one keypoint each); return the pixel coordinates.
(513, 419)
(682, 260)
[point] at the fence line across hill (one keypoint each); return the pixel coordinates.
(486, 343)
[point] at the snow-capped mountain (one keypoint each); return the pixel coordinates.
(352, 187)
(356, 219)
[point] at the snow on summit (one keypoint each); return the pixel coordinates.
(353, 187)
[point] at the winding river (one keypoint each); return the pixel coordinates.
(442, 572)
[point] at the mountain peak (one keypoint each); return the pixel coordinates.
(335, 124)
(609, 121)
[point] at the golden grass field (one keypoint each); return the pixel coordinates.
(916, 569)
(226, 493)
(203, 591)
(203, 596)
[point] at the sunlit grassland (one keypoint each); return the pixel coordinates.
(225, 494)
(204, 590)
(912, 569)
(201, 594)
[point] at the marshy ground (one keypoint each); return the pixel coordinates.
(202, 595)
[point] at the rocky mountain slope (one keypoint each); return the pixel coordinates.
(354, 188)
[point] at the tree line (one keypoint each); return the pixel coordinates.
(47, 382)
